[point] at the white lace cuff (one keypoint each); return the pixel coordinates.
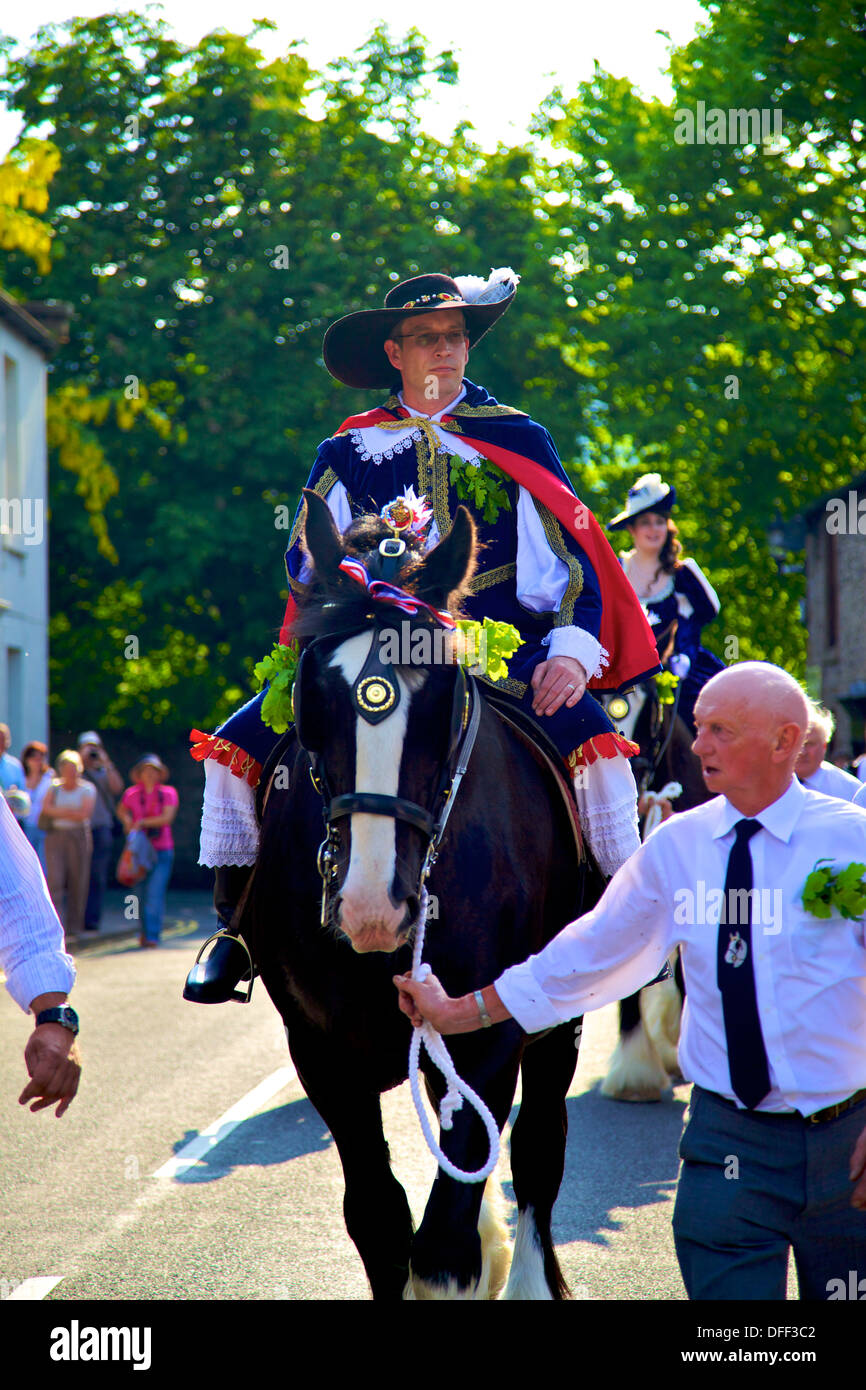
(229, 834)
(576, 642)
(607, 803)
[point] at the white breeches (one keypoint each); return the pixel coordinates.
(606, 801)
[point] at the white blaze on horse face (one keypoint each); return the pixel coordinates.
(368, 917)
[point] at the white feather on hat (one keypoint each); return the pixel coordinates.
(477, 291)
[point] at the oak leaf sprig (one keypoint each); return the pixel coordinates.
(480, 482)
(666, 684)
(278, 669)
(827, 891)
(487, 646)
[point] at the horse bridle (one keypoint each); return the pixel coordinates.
(375, 695)
(657, 749)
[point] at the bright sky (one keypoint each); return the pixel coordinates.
(510, 53)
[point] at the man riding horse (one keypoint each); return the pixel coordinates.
(545, 567)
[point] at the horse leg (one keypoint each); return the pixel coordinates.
(661, 1008)
(375, 1207)
(636, 1072)
(460, 1250)
(537, 1163)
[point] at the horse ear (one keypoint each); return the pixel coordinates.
(321, 536)
(450, 564)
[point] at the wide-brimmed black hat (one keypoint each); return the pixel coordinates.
(649, 494)
(354, 349)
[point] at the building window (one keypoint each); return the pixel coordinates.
(15, 695)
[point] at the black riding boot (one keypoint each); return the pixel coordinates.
(215, 980)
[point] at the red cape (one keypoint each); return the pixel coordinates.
(625, 633)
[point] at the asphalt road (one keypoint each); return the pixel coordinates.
(258, 1216)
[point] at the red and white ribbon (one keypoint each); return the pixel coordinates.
(390, 593)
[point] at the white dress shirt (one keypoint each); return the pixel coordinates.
(810, 974)
(833, 781)
(31, 937)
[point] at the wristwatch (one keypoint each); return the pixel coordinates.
(64, 1015)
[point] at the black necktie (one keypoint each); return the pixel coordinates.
(747, 1056)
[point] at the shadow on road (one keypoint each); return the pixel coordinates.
(619, 1156)
(290, 1131)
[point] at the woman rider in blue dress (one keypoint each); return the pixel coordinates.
(669, 587)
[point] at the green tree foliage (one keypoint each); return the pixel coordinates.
(208, 230)
(720, 321)
(213, 212)
(25, 174)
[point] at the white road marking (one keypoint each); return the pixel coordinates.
(222, 1128)
(34, 1290)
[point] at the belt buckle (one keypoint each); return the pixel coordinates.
(833, 1112)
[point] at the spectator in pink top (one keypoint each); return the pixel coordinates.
(151, 805)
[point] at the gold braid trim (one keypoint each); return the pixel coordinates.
(486, 410)
(478, 411)
(322, 487)
(574, 588)
(518, 688)
(491, 577)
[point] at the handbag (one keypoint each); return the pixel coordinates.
(136, 860)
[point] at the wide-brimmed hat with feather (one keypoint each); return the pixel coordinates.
(354, 350)
(649, 494)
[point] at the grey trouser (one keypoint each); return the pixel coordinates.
(752, 1186)
(67, 859)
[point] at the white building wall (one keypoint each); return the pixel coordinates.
(23, 540)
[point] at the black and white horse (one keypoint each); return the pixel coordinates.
(645, 1059)
(506, 878)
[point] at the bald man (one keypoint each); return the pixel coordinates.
(812, 768)
(774, 1027)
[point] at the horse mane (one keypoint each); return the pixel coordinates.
(332, 605)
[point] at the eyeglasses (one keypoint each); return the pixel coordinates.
(428, 340)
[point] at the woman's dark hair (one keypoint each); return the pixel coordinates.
(669, 555)
(34, 747)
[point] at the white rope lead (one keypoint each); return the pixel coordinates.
(457, 1087)
(669, 792)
